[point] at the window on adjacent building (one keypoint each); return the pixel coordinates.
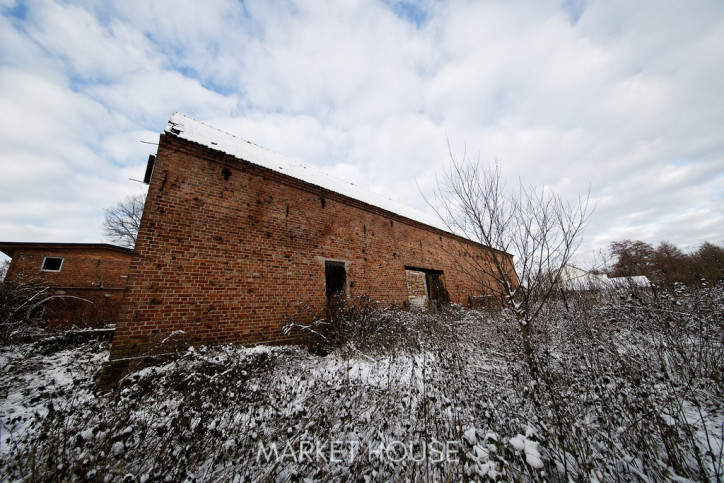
(336, 278)
(52, 264)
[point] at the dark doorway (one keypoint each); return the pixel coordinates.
(336, 278)
(435, 291)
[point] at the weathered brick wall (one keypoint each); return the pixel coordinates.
(82, 267)
(83, 308)
(224, 260)
(82, 302)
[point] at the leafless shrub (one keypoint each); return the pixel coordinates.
(539, 228)
(21, 304)
(625, 394)
(363, 325)
(628, 380)
(23, 301)
(203, 415)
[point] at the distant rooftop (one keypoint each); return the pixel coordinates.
(195, 131)
(9, 248)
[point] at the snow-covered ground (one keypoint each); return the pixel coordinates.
(631, 390)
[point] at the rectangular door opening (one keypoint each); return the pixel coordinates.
(425, 288)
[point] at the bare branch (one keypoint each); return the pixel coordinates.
(539, 228)
(122, 221)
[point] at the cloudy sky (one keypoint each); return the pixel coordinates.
(625, 97)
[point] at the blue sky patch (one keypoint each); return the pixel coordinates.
(409, 11)
(18, 11)
(574, 9)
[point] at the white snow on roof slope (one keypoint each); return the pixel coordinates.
(192, 130)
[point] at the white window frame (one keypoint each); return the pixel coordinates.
(43, 269)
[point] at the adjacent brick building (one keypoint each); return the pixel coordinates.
(234, 238)
(87, 280)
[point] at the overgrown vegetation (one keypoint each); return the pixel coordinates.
(526, 236)
(630, 389)
(24, 306)
(21, 303)
(667, 265)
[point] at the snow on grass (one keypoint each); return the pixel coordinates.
(430, 397)
(529, 448)
(33, 376)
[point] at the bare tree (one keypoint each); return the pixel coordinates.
(632, 258)
(708, 262)
(667, 264)
(122, 221)
(539, 228)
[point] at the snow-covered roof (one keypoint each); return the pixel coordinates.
(574, 278)
(195, 131)
(635, 281)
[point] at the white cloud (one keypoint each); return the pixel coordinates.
(87, 48)
(622, 96)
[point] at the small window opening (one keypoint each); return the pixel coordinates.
(336, 279)
(52, 264)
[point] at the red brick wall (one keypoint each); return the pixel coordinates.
(81, 301)
(226, 260)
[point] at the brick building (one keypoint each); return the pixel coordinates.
(88, 278)
(234, 238)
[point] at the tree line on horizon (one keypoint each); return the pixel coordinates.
(666, 264)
